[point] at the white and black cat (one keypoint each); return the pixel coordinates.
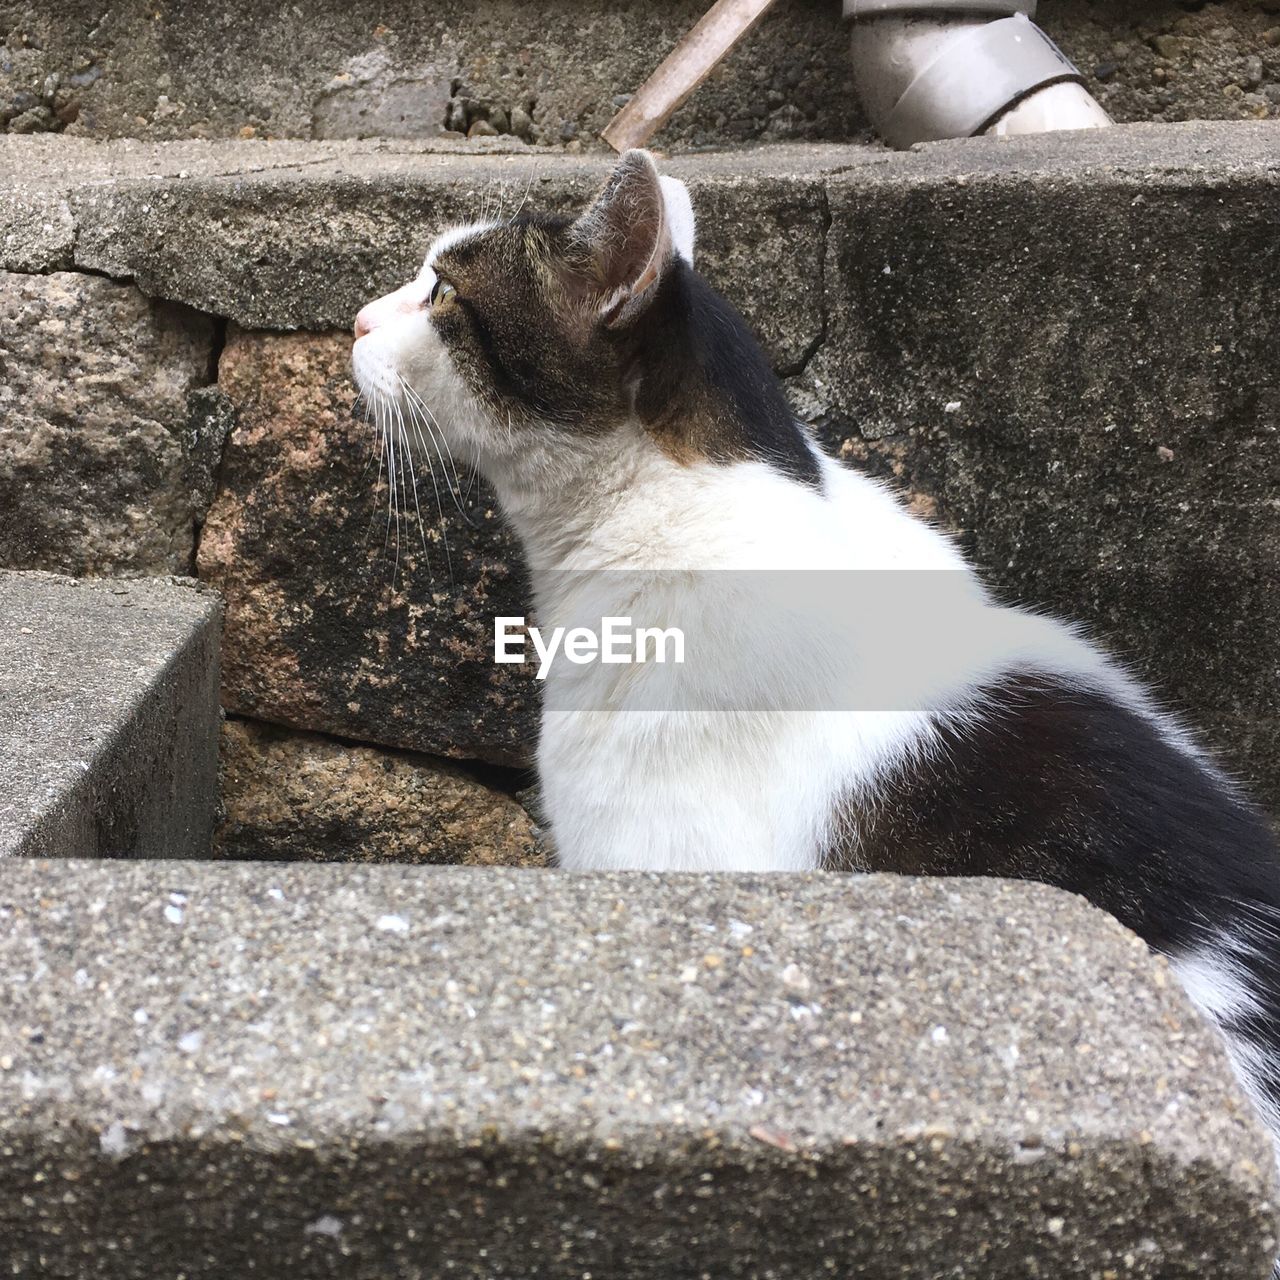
(627, 420)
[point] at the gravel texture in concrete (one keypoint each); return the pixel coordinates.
(553, 73)
(108, 716)
(377, 1071)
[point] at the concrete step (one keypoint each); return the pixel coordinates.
(360, 1072)
(108, 717)
(552, 72)
(1060, 347)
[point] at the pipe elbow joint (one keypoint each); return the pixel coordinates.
(932, 69)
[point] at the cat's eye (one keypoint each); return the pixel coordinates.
(441, 291)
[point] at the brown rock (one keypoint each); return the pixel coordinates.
(339, 619)
(294, 795)
(104, 465)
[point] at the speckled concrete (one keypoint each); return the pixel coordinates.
(108, 716)
(255, 1069)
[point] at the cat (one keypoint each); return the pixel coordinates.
(648, 459)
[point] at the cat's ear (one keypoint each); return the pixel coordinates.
(625, 240)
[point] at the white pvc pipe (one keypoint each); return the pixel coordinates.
(932, 69)
(1060, 106)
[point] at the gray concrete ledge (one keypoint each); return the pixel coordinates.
(108, 716)
(297, 235)
(338, 1072)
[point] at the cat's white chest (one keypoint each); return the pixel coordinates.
(737, 759)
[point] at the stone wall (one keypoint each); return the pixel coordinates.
(552, 74)
(1059, 348)
(106, 462)
(343, 615)
(295, 796)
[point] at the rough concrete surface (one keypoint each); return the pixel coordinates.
(108, 717)
(299, 236)
(339, 619)
(1075, 366)
(102, 466)
(298, 796)
(370, 1072)
(547, 72)
(553, 73)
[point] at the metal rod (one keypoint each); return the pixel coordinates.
(682, 71)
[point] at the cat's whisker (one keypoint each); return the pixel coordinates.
(528, 186)
(406, 462)
(447, 461)
(367, 407)
(444, 531)
(406, 465)
(391, 486)
(379, 439)
(437, 435)
(417, 508)
(415, 399)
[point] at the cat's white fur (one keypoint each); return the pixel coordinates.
(737, 790)
(680, 221)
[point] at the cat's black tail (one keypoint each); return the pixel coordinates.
(1092, 791)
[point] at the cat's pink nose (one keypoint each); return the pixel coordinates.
(403, 302)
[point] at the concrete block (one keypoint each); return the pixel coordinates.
(292, 236)
(108, 717)
(103, 467)
(313, 1071)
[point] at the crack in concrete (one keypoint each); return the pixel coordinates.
(78, 268)
(797, 367)
(219, 345)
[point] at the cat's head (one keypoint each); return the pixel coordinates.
(524, 332)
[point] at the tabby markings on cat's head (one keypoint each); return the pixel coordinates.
(542, 331)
